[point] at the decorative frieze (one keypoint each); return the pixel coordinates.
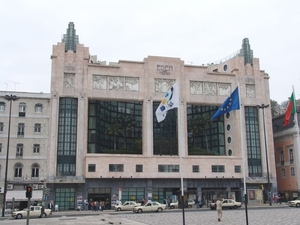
(196, 87)
(210, 88)
(132, 84)
(69, 80)
(224, 89)
(100, 82)
(250, 91)
(116, 83)
(163, 85)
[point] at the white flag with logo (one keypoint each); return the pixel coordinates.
(170, 101)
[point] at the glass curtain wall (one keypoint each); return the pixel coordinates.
(115, 127)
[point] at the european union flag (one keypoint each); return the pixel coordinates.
(231, 103)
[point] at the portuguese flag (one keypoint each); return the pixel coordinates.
(291, 109)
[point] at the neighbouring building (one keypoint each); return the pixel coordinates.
(28, 143)
(106, 144)
(287, 157)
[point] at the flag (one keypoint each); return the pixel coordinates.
(170, 101)
(231, 103)
(291, 109)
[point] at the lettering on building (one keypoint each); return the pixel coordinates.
(164, 69)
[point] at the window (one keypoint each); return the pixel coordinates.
(35, 168)
(18, 170)
(38, 108)
(22, 109)
(291, 155)
(292, 171)
(19, 151)
(282, 173)
(1, 126)
(36, 148)
(282, 157)
(116, 168)
(237, 169)
(0, 148)
(37, 128)
(2, 106)
(195, 168)
(21, 129)
(218, 168)
(139, 168)
(168, 168)
(92, 168)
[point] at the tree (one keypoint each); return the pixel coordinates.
(120, 126)
(275, 108)
(198, 126)
(115, 130)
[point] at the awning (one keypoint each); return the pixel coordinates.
(37, 195)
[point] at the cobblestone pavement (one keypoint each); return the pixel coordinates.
(259, 216)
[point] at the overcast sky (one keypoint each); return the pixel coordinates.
(196, 31)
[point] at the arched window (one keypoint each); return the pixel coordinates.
(21, 129)
(22, 109)
(19, 151)
(18, 170)
(38, 108)
(2, 106)
(35, 169)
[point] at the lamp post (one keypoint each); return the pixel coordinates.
(9, 98)
(263, 106)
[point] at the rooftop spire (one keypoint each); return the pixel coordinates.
(246, 51)
(71, 39)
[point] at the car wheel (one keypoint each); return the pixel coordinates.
(159, 210)
(172, 207)
(119, 209)
(140, 210)
(190, 206)
(298, 205)
(235, 207)
(19, 216)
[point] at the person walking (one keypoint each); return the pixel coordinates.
(219, 209)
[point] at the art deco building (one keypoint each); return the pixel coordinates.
(27, 145)
(105, 142)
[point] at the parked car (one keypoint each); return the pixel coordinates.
(294, 203)
(34, 211)
(227, 204)
(150, 207)
(128, 205)
(174, 205)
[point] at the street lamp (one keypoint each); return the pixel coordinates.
(9, 98)
(263, 106)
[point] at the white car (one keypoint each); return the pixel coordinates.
(128, 206)
(174, 205)
(34, 211)
(150, 207)
(227, 204)
(294, 203)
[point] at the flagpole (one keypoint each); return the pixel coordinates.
(297, 127)
(243, 154)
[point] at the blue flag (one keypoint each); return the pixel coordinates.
(231, 103)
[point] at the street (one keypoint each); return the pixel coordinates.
(271, 215)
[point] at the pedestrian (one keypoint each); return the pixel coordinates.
(197, 202)
(219, 209)
(51, 206)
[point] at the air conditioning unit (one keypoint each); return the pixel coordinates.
(35, 186)
(41, 186)
(10, 186)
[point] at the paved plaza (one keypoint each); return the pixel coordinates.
(256, 216)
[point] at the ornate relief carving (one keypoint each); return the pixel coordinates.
(99, 82)
(224, 89)
(163, 85)
(116, 83)
(250, 91)
(196, 88)
(132, 84)
(210, 88)
(69, 80)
